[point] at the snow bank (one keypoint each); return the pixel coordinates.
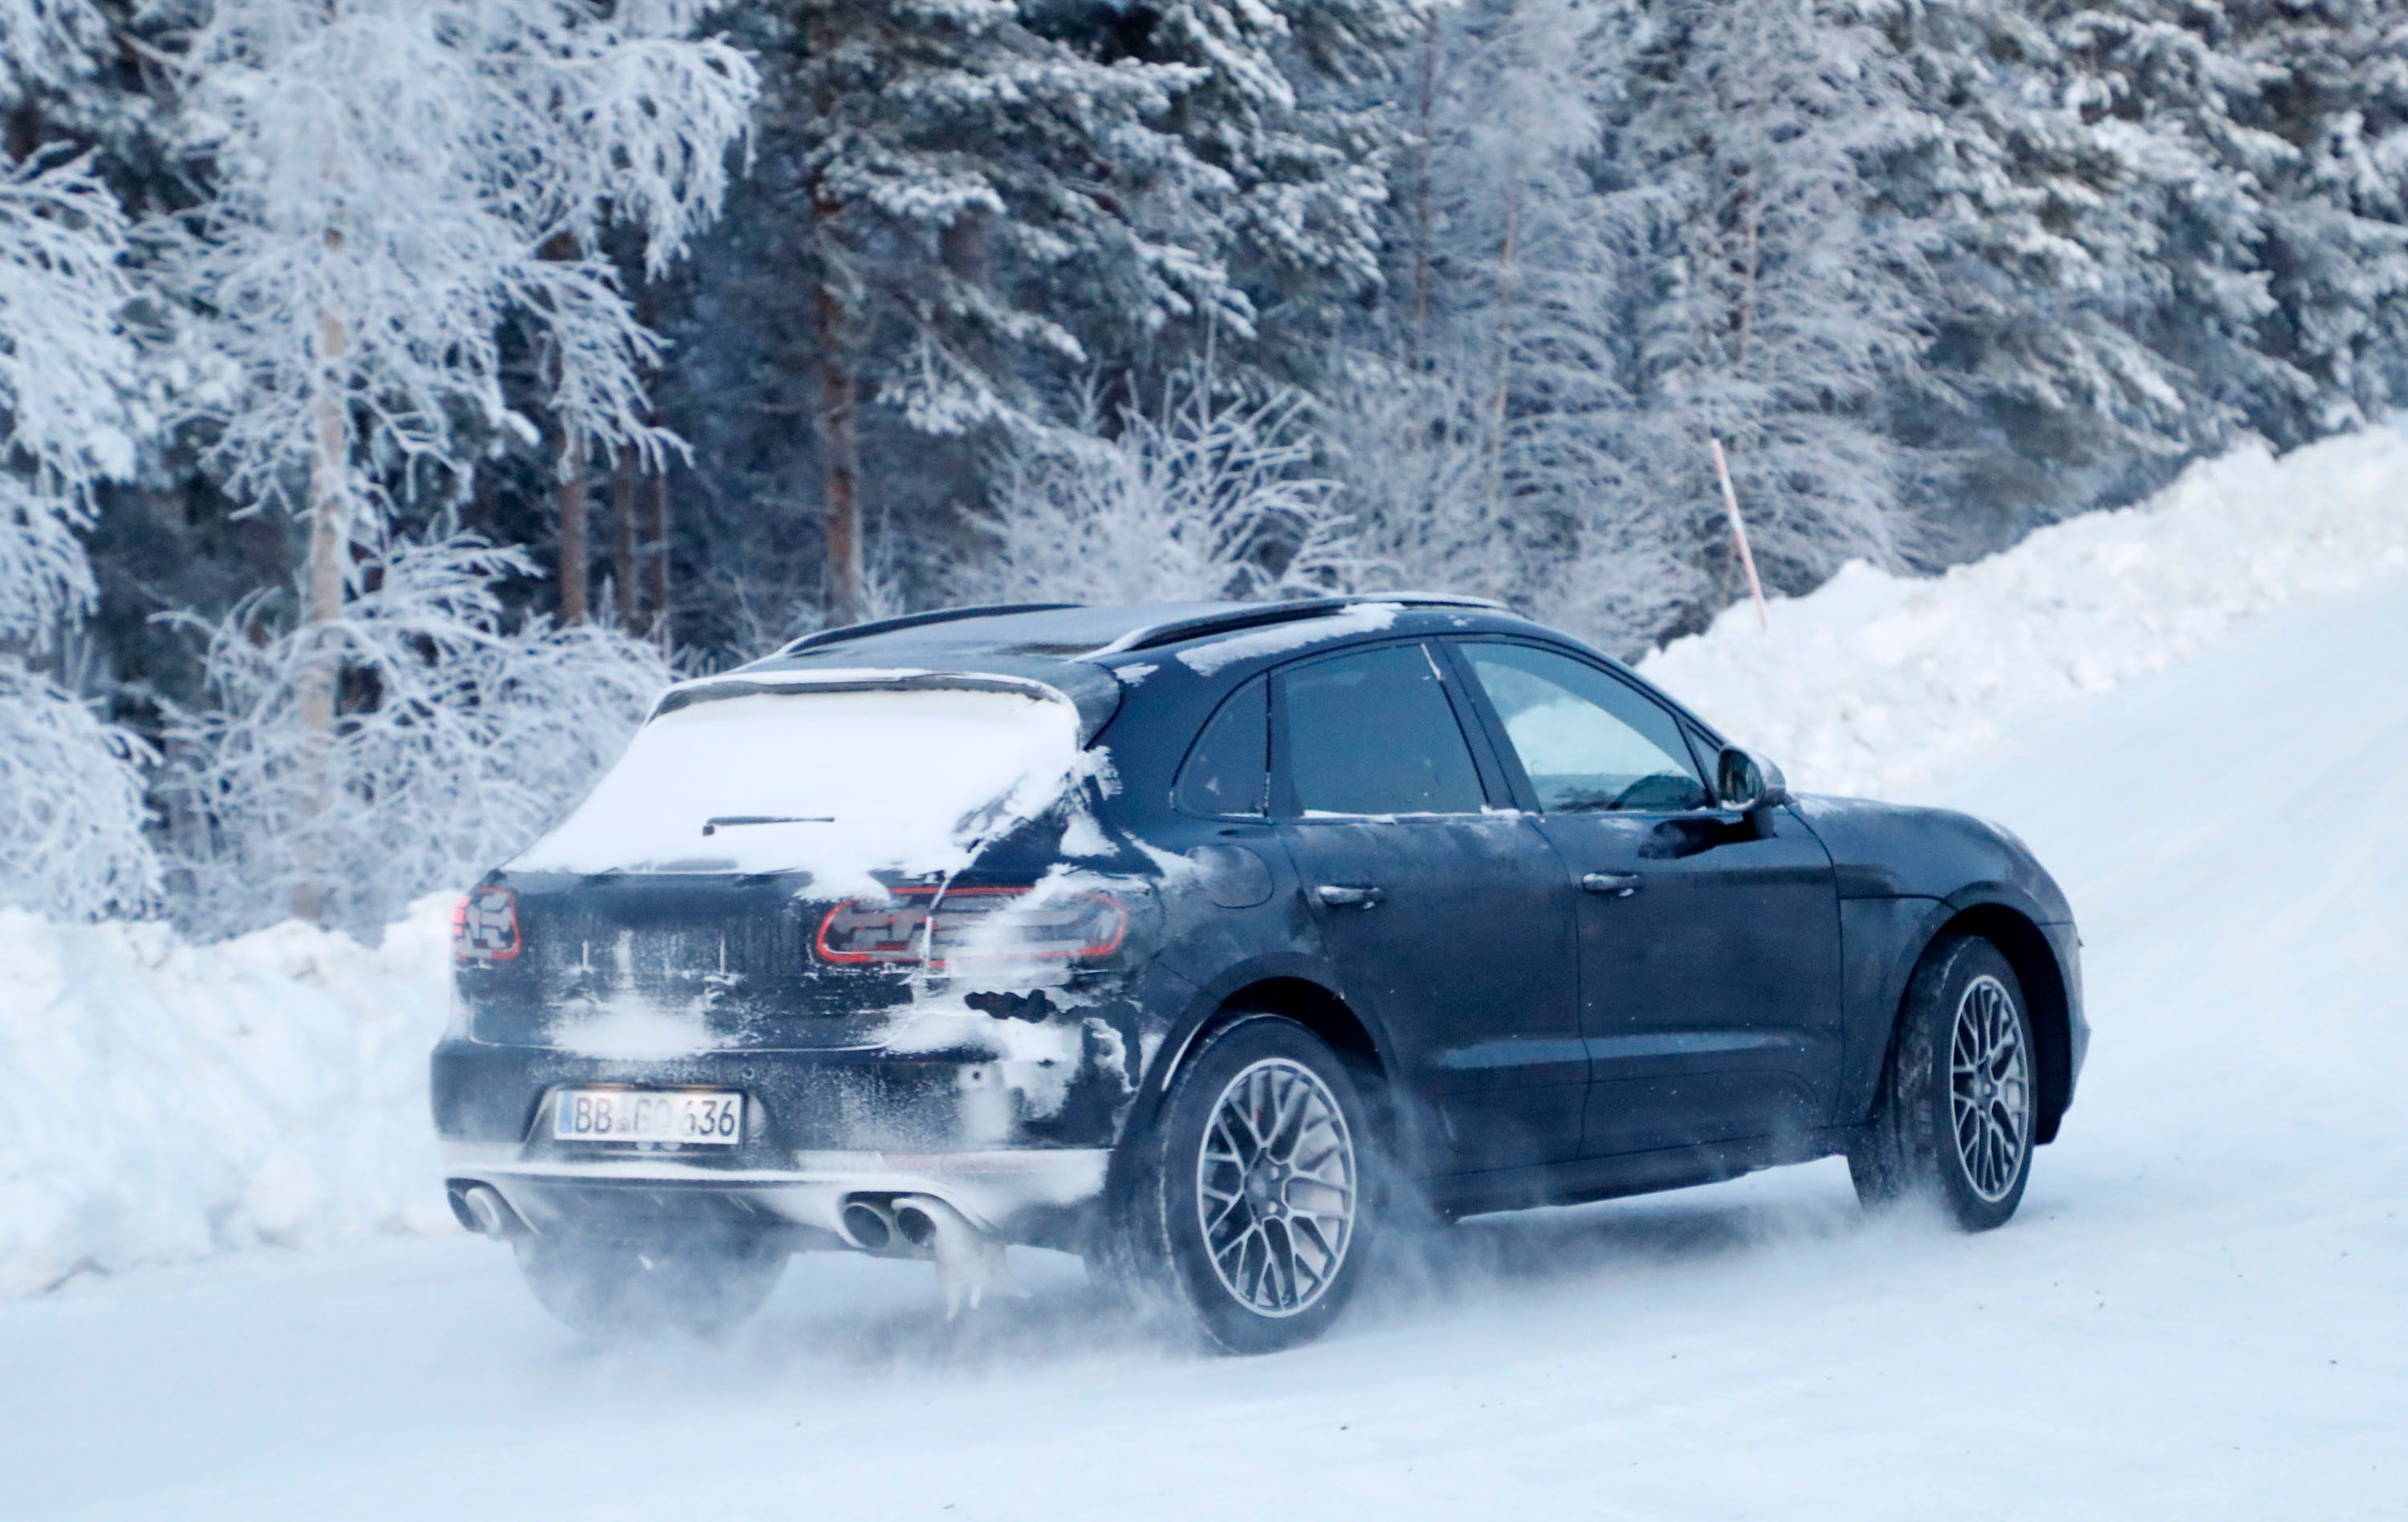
(1875, 683)
(167, 1100)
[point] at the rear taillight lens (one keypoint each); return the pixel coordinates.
(485, 926)
(924, 926)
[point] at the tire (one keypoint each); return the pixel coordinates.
(613, 1290)
(1960, 1101)
(1249, 1243)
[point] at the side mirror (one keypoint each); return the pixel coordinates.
(1745, 784)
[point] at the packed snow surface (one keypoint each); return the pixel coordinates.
(1876, 682)
(841, 784)
(2198, 1311)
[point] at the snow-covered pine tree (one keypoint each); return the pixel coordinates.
(2033, 396)
(383, 179)
(1769, 308)
(968, 186)
(2335, 89)
(1288, 107)
(2190, 213)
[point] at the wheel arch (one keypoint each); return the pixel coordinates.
(2047, 999)
(1310, 1003)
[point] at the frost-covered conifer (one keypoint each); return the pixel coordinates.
(1286, 106)
(975, 189)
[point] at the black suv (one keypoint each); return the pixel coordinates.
(1199, 939)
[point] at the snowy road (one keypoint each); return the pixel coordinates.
(2203, 1309)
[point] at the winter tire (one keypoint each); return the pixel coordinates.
(612, 1290)
(1960, 1102)
(1244, 1212)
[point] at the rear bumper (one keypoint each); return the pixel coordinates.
(1019, 1146)
(1034, 1195)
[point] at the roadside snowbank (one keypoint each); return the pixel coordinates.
(1875, 684)
(165, 1101)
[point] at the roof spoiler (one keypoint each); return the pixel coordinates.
(1171, 632)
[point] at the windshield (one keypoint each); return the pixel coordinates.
(841, 784)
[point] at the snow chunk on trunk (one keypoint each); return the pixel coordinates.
(841, 784)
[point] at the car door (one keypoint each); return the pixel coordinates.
(1443, 917)
(1709, 941)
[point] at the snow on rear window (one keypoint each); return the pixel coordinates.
(839, 785)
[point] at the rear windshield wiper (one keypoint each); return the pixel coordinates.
(711, 826)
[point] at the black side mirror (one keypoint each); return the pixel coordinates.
(1745, 784)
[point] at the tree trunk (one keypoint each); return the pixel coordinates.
(1494, 446)
(321, 607)
(574, 576)
(1418, 338)
(625, 579)
(654, 526)
(840, 452)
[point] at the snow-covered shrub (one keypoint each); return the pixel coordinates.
(457, 739)
(71, 809)
(1202, 498)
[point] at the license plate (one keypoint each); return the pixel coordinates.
(636, 1114)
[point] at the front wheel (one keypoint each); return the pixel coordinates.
(611, 1289)
(1245, 1213)
(1959, 1103)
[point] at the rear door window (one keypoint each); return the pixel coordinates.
(1373, 732)
(1227, 774)
(1588, 742)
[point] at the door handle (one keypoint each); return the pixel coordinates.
(1340, 895)
(1612, 884)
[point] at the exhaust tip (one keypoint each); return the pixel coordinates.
(866, 1223)
(918, 1226)
(488, 1217)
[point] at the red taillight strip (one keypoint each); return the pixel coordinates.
(1099, 948)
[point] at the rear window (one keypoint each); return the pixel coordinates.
(840, 784)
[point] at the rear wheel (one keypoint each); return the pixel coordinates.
(1960, 1102)
(1245, 1213)
(614, 1289)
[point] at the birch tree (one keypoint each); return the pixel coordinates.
(385, 179)
(1774, 309)
(71, 789)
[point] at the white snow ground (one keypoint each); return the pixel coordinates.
(2201, 1311)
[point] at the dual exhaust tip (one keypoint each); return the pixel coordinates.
(907, 1226)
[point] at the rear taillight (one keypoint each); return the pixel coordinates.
(485, 925)
(937, 929)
